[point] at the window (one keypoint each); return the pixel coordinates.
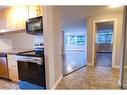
(104, 36)
(75, 40)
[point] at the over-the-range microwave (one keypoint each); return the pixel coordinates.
(34, 25)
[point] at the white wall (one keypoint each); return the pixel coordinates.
(38, 39)
(20, 40)
(5, 43)
(52, 39)
(119, 17)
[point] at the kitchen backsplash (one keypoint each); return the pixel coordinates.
(20, 40)
(5, 43)
(38, 39)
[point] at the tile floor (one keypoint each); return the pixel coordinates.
(125, 77)
(91, 78)
(102, 76)
(8, 85)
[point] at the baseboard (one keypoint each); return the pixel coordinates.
(125, 67)
(116, 67)
(89, 64)
(119, 83)
(119, 67)
(104, 52)
(57, 82)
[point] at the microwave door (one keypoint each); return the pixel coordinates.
(34, 27)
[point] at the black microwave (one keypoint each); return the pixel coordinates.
(34, 25)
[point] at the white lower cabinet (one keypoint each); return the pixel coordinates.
(12, 67)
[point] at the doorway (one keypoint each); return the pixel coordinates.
(73, 50)
(104, 46)
(104, 43)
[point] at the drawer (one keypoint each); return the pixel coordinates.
(12, 63)
(11, 57)
(13, 73)
(14, 78)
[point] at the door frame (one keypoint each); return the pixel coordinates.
(114, 39)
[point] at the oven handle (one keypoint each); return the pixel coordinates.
(38, 63)
(28, 59)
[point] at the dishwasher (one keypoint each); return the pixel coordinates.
(4, 66)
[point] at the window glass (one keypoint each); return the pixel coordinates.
(104, 36)
(75, 40)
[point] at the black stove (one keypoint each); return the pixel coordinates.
(33, 53)
(31, 69)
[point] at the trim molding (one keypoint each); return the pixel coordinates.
(119, 83)
(57, 82)
(114, 39)
(89, 64)
(116, 66)
(119, 67)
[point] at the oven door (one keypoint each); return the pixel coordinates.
(32, 73)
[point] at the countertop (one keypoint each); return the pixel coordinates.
(14, 51)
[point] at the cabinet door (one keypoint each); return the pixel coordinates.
(3, 24)
(15, 18)
(13, 69)
(13, 74)
(12, 63)
(3, 67)
(35, 11)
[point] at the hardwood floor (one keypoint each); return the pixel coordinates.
(91, 78)
(72, 61)
(104, 59)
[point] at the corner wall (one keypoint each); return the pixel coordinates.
(52, 45)
(90, 20)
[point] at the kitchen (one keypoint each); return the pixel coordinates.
(22, 50)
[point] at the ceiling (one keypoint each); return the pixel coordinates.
(75, 15)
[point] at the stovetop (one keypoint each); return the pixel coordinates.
(33, 53)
